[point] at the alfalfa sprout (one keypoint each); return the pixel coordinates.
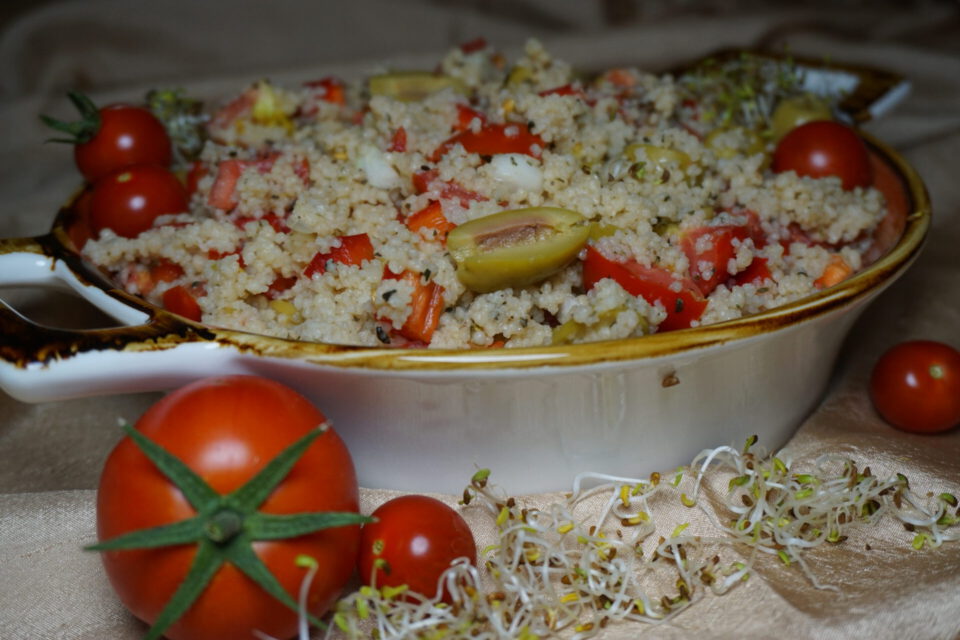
(603, 555)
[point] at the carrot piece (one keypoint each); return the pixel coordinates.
(836, 271)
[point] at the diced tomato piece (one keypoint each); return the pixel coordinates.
(330, 89)
(756, 273)
(399, 141)
(795, 234)
(276, 221)
(565, 90)
(474, 45)
(653, 284)
(235, 109)
(423, 179)
(493, 139)
(466, 116)
(164, 270)
(223, 193)
(709, 250)
(621, 78)
(197, 172)
(353, 250)
(213, 254)
(301, 167)
(279, 285)
(180, 301)
(431, 217)
(426, 307)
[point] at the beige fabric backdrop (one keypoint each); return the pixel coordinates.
(50, 454)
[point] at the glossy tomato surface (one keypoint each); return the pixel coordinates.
(915, 386)
(680, 298)
(127, 136)
(825, 148)
(412, 542)
(226, 430)
(129, 200)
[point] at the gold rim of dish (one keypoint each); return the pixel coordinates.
(166, 330)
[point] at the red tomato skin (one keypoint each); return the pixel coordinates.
(908, 396)
(420, 537)
(129, 200)
(652, 284)
(127, 136)
(717, 252)
(825, 148)
(494, 139)
(226, 429)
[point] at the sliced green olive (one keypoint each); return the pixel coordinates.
(411, 86)
(516, 248)
(792, 112)
(658, 156)
(602, 230)
(754, 142)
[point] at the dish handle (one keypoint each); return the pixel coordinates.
(78, 362)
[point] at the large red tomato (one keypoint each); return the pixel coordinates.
(226, 430)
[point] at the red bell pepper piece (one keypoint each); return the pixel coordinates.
(180, 301)
(426, 307)
(466, 116)
(565, 90)
(330, 89)
(653, 284)
(223, 193)
(431, 217)
(493, 139)
(279, 285)
(399, 141)
(353, 250)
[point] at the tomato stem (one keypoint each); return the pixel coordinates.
(223, 525)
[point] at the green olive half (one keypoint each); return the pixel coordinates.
(794, 111)
(412, 86)
(516, 248)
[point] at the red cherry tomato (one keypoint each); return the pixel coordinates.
(129, 200)
(915, 386)
(113, 137)
(825, 148)
(226, 430)
(127, 136)
(412, 542)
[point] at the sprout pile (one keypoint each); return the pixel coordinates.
(572, 568)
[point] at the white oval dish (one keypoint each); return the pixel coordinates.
(425, 420)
